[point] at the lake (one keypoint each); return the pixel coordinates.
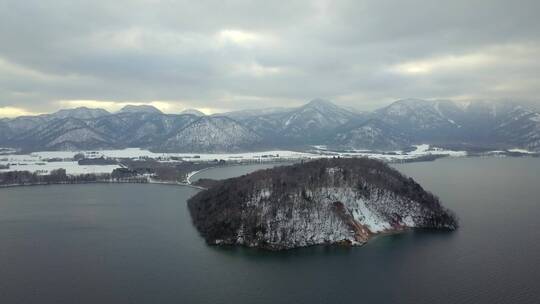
(127, 243)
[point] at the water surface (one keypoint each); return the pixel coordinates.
(232, 171)
(136, 244)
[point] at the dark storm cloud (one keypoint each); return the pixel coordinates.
(223, 55)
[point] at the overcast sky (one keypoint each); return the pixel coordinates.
(227, 55)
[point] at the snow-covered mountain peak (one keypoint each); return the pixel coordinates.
(193, 112)
(320, 104)
(140, 109)
(212, 133)
(80, 113)
(405, 122)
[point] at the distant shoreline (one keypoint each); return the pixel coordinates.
(101, 182)
(189, 182)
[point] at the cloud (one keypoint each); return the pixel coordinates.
(482, 59)
(439, 64)
(113, 106)
(244, 54)
(242, 38)
(14, 112)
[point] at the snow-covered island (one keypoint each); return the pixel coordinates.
(325, 201)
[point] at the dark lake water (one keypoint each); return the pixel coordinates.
(135, 244)
(232, 171)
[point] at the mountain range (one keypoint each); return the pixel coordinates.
(458, 125)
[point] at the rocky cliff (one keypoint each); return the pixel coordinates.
(325, 201)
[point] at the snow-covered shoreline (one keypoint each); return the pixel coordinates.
(149, 181)
(46, 161)
(43, 162)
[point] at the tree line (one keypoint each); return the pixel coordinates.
(59, 176)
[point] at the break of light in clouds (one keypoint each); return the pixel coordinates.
(220, 56)
(14, 112)
(112, 106)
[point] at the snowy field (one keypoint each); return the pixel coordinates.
(391, 156)
(41, 161)
(72, 167)
(523, 151)
(137, 153)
